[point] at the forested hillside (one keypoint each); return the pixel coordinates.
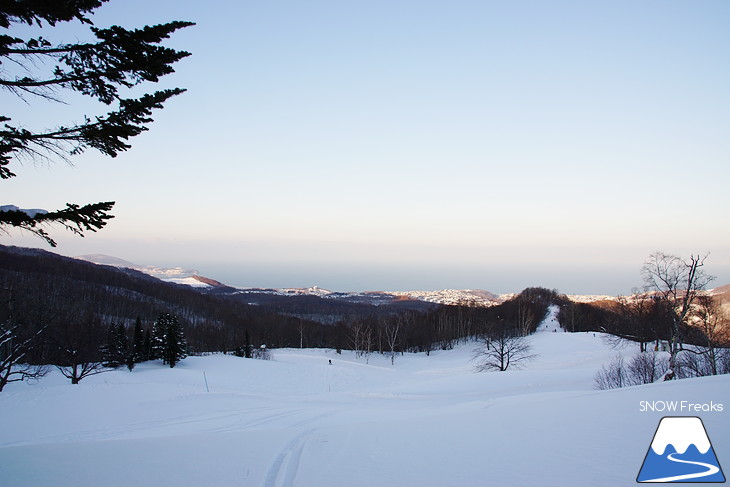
(75, 303)
(70, 298)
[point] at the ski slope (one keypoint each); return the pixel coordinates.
(298, 421)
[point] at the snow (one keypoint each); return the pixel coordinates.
(453, 296)
(550, 322)
(176, 275)
(187, 281)
(296, 420)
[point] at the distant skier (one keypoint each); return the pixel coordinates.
(330, 361)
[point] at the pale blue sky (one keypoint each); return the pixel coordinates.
(419, 145)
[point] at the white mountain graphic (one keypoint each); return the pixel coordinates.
(680, 432)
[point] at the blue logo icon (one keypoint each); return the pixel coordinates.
(680, 452)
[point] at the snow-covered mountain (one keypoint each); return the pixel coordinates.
(177, 275)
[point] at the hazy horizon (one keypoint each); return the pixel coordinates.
(610, 278)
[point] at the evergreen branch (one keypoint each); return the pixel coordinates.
(75, 218)
(122, 57)
(30, 12)
(107, 134)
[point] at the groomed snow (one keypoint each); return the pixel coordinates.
(297, 420)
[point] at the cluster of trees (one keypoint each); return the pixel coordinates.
(681, 330)
(643, 368)
(57, 312)
(42, 289)
(165, 340)
(652, 366)
(168, 340)
(80, 351)
(81, 316)
(500, 330)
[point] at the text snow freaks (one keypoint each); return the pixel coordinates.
(680, 407)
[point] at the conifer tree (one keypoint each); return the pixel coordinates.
(168, 341)
(175, 345)
(37, 70)
(157, 338)
(147, 349)
(114, 350)
(130, 361)
(137, 354)
(247, 346)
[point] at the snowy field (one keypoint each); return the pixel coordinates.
(298, 421)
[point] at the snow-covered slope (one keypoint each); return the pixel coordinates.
(299, 421)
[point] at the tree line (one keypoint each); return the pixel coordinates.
(52, 308)
(66, 312)
(681, 330)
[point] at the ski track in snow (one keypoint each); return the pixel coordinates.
(283, 470)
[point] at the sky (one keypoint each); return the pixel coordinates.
(401, 145)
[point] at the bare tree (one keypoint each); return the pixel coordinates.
(525, 318)
(711, 329)
(367, 342)
(612, 375)
(301, 333)
(78, 348)
(677, 283)
(644, 368)
(355, 332)
(391, 328)
(642, 318)
(502, 347)
(14, 346)
(647, 367)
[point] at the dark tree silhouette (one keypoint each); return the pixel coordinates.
(117, 59)
(501, 347)
(78, 348)
(15, 343)
(168, 339)
(137, 352)
(114, 351)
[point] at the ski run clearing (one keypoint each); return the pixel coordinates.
(296, 420)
